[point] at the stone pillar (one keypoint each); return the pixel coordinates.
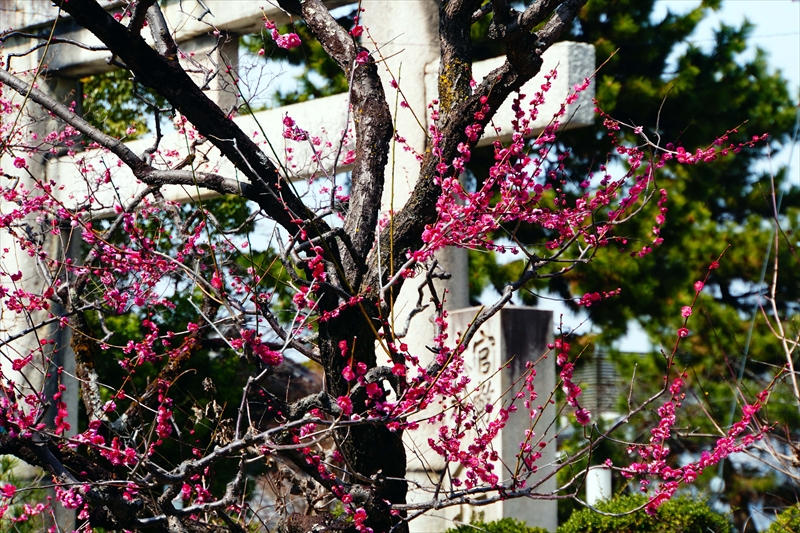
(496, 364)
(52, 364)
(35, 277)
(404, 52)
(407, 50)
(598, 484)
(404, 49)
(61, 368)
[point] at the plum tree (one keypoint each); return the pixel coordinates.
(167, 290)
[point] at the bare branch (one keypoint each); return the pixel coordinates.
(484, 10)
(165, 44)
(138, 16)
(560, 21)
(47, 41)
(534, 14)
(61, 111)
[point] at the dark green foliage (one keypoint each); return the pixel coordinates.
(680, 515)
(709, 206)
(505, 525)
(110, 104)
(787, 522)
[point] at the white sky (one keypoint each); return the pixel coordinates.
(777, 32)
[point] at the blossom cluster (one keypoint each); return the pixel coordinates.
(286, 41)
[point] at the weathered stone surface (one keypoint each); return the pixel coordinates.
(508, 341)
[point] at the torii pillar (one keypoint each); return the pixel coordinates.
(407, 39)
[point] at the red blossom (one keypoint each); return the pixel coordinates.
(288, 41)
(345, 405)
(362, 58)
(374, 391)
(8, 490)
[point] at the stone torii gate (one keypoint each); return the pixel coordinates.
(406, 35)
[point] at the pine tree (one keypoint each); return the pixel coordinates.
(684, 94)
